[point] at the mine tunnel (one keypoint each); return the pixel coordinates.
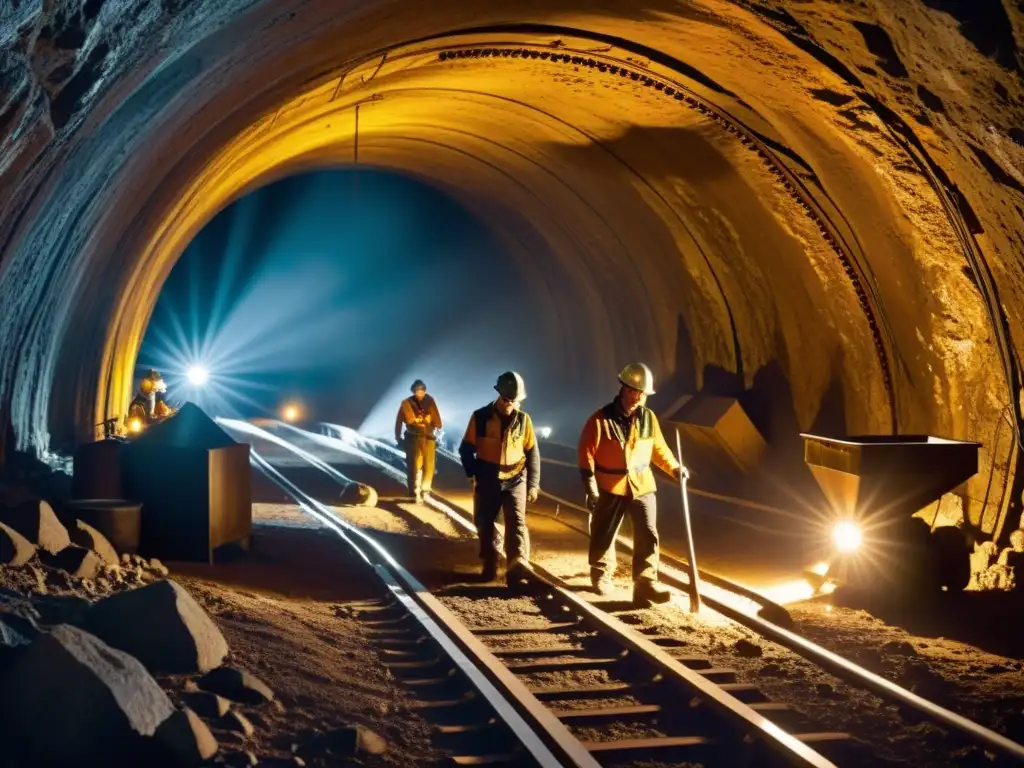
(801, 213)
(806, 218)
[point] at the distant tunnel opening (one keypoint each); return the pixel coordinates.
(664, 196)
(334, 290)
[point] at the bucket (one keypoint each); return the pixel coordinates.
(117, 519)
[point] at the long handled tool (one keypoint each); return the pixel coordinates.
(684, 475)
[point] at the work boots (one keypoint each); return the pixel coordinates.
(518, 574)
(490, 570)
(602, 585)
(647, 593)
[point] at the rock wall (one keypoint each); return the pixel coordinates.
(906, 117)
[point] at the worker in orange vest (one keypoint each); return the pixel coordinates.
(501, 458)
(617, 447)
(421, 418)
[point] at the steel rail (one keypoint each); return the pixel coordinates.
(625, 544)
(847, 670)
(768, 606)
(830, 662)
(520, 705)
(542, 734)
(723, 702)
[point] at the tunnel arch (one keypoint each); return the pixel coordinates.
(663, 239)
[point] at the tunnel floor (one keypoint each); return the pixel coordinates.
(983, 686)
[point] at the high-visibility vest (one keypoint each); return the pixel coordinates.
(503, 451)
(419, 418)
(621, 463)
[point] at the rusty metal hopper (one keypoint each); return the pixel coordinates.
(886, 476)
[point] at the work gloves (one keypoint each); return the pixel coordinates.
(532, 494)
(593, 494)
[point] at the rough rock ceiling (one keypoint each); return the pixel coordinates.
(819, 201)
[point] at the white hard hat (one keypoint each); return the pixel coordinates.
(638, 376)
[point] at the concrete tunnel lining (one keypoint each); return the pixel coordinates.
(681, 221)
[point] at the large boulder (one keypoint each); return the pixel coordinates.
(84, 535)
(16, 632)
(61, 609)
(69, 699)
(37, 522)
(162, 626)
(15, 549)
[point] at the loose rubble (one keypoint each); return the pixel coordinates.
(15, 549)
(358, 495)
(162, 626)
(86, 536)
(236, 685)
(107, 661)
(37, 522)
(998, 570)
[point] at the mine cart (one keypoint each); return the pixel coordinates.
(874, 485)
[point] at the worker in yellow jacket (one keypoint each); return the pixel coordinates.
(501, 458)
(619, 444)
(149, 405)
(421, 418)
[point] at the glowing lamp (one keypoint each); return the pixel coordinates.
(544, 432)
(197, 375)
(290, 413)
(135, 425)
(847, 536)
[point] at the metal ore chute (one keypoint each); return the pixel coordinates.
(874, 485)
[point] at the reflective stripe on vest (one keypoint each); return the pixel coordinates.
(416, 409)
(634, 461)
(507, 444)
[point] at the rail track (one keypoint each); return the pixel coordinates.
(562, 682)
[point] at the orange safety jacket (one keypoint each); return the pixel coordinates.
(419, 418)
(621, 463)
(491, 448)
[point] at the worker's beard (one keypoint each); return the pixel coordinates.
(629, 407)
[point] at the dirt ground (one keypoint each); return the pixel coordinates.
(984, 686)
(290, 611)
(291, 608)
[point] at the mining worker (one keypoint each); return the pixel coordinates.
(616, 450)
(502, 461)
(420, 417)
(150, 403)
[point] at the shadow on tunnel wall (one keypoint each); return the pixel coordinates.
(644, 150)
(782, 475)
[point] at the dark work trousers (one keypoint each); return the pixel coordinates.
(491, 497)
(604, 527)
(419, 462)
